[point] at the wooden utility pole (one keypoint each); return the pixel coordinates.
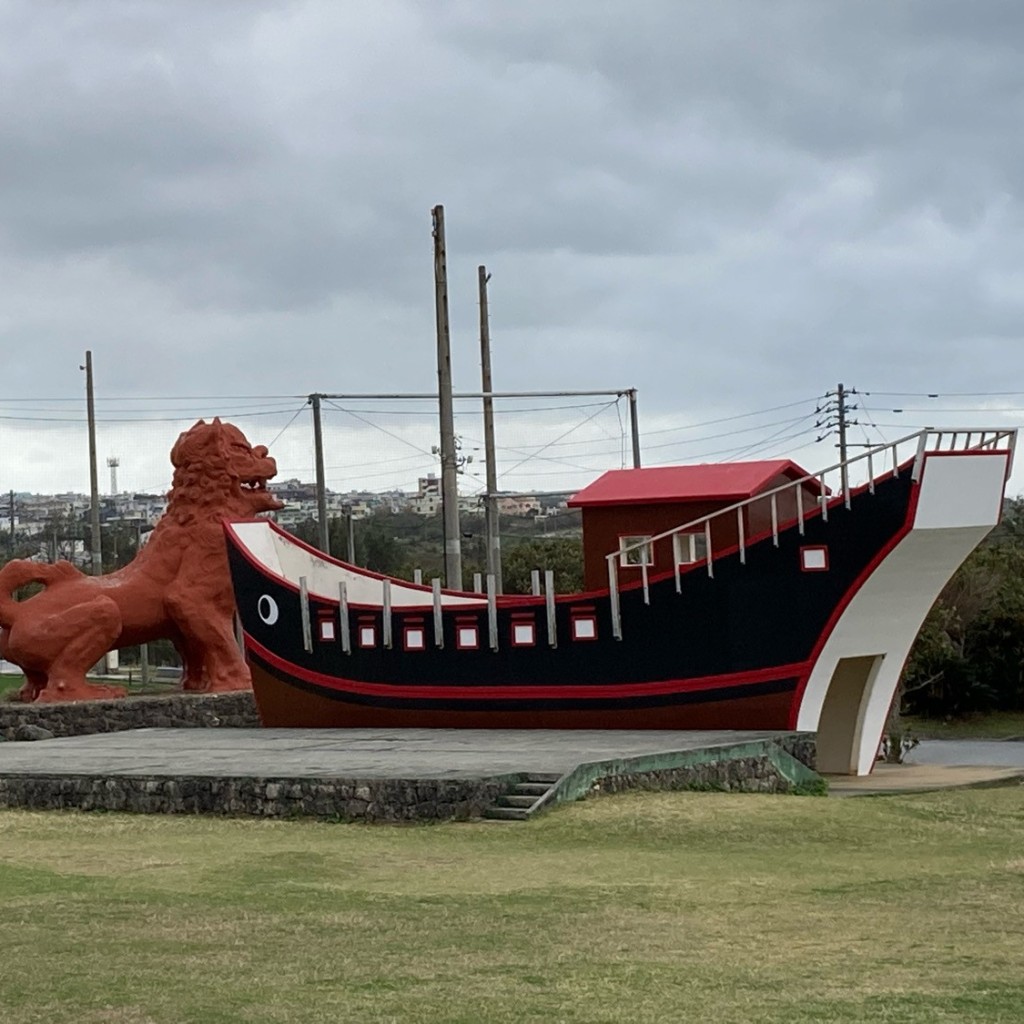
(837, 418)
(634, 427)
(96, 556)
(841, 420)
(321, 486)
(491, 520)
(449, 465)
(844, 472)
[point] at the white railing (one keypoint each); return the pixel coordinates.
(891, 456)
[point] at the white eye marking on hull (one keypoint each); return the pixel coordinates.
(267, 609)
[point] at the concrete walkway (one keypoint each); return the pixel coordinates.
(939, 764)
(457, 754)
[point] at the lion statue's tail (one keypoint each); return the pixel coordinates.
(21, 571)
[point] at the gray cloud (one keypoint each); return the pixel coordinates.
(726, 205)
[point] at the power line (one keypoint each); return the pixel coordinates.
(947, 394)
(936, 409)
(167, 398)
(180, 418)
(757, 446)
(565, 434)
(287, 425)
(377, 426)
(728, 419)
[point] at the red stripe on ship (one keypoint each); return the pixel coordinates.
(523, 692)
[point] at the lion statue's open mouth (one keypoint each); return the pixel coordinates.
(178, 586)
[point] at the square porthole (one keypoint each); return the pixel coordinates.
(467, 637)
(814, 558)
(524, 634)
(584, 627)
(415, 638)
(367, 635)
(328, 630)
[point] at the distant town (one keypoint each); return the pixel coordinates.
(58, 523)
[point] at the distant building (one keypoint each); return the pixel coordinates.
(518, 505)
(427, 500)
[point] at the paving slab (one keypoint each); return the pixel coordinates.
(348, 753)
(939, 764)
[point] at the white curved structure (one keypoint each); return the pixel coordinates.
(854, 678)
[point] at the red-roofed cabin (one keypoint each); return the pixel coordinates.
(626, 505)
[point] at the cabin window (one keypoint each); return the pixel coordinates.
(814, 558)
(367, 633)
(327, 630)
(524, 631)
(584, 626)
(415, 638)
(641, 554)
(690, 547)
(467, 636)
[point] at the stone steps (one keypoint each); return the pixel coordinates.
(521, 801)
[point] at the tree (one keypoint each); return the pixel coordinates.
(969, 655)
(563, 555)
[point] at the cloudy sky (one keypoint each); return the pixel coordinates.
(729, 206)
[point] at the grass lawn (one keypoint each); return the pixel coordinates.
(8, 682)
(639, 908)
(993, 725)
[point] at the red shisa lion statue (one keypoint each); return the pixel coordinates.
(178, 586)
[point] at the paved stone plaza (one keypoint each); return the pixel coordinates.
(383, 774)
(348, 753)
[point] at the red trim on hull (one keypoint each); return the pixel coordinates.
(284, 707)
(478, 693)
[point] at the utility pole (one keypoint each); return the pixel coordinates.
(350, 530)
(12, 522)
(96, 557)
(835, 416)
(634, 427)
(841, 425)
(94, 484)
(449, 464)
(321, 486)
(491, 521)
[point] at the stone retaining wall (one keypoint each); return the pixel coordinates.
(801, 745)
(179, 710)
(383, 800)
(739, 775)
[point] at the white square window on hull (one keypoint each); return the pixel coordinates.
(584, 629)
(524, 634)
(814, 559)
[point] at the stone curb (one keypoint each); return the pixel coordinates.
(82, 718)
